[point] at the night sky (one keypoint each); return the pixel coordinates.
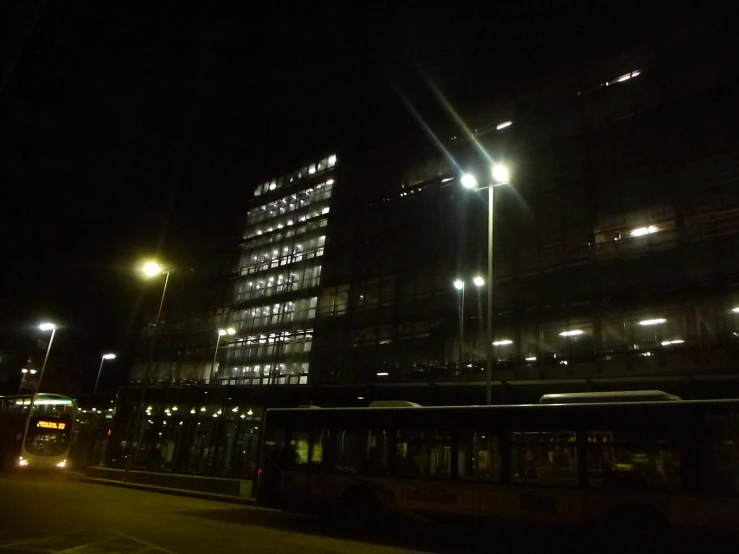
(135, 128)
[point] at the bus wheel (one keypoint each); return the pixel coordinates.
(358, 508)
(636, 530)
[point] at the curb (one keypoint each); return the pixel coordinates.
(174, 492)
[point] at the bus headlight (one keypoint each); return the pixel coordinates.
(22, 462)
(62, 464)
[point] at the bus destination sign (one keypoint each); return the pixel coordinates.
(51, 425)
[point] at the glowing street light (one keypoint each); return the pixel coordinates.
(104, 357)
(459, 284)
(656, 321)
(152, 269)
(46, 326)
(469, 181)
(479, 281)
(500, 175)
(504, 342)
(573, 333)
(220, 333)
(24, 372)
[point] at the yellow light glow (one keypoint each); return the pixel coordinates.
(469, 181)
(47, 326)
(500, 173)
(152, 269)
(479, 281)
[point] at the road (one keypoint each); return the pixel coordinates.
(58, 514)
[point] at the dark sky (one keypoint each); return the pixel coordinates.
(131, 128)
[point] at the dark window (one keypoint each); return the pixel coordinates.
(423, 454)
(548, 458)
(362, 452)
(479, 455)
(633, 460)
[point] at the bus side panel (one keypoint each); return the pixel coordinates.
(681, 510)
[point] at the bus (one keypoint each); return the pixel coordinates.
(648, 466)
(36, 431)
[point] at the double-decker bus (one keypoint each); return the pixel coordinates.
(641, 466)
(36, 431)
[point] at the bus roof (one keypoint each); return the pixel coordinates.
(612, 396)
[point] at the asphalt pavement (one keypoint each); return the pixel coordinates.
(56, 513)
(61, 513)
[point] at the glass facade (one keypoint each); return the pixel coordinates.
(281, 260)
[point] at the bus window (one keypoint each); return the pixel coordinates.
(362, 451)
(320, 453)
(479, 456)
(423, 454)
(296, 452)
(544, 458)
(636, 461)
(726, 460)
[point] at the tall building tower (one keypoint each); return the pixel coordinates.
(275, 292)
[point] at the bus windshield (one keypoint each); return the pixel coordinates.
(50, 426)
(47, 442)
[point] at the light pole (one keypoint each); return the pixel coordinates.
(100, 369)
(459, 285)
(221, 333)
(500, 176)
(45, 327)
(479, 283)
(24, 371)
(150, 270)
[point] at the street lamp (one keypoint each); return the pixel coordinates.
(150, 269)
(500, 175)
(25, 371)
(459, 285)
(46, 327)
(100, 369)
(221, 333)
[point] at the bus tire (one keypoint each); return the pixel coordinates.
(358, 508)
(636, 529)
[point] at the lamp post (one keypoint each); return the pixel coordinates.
(150, 270)
(479, 283)
(24, 372)
(459, 285)
(221, 333)
(46, 327)
(500, 176)
(100, 369)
